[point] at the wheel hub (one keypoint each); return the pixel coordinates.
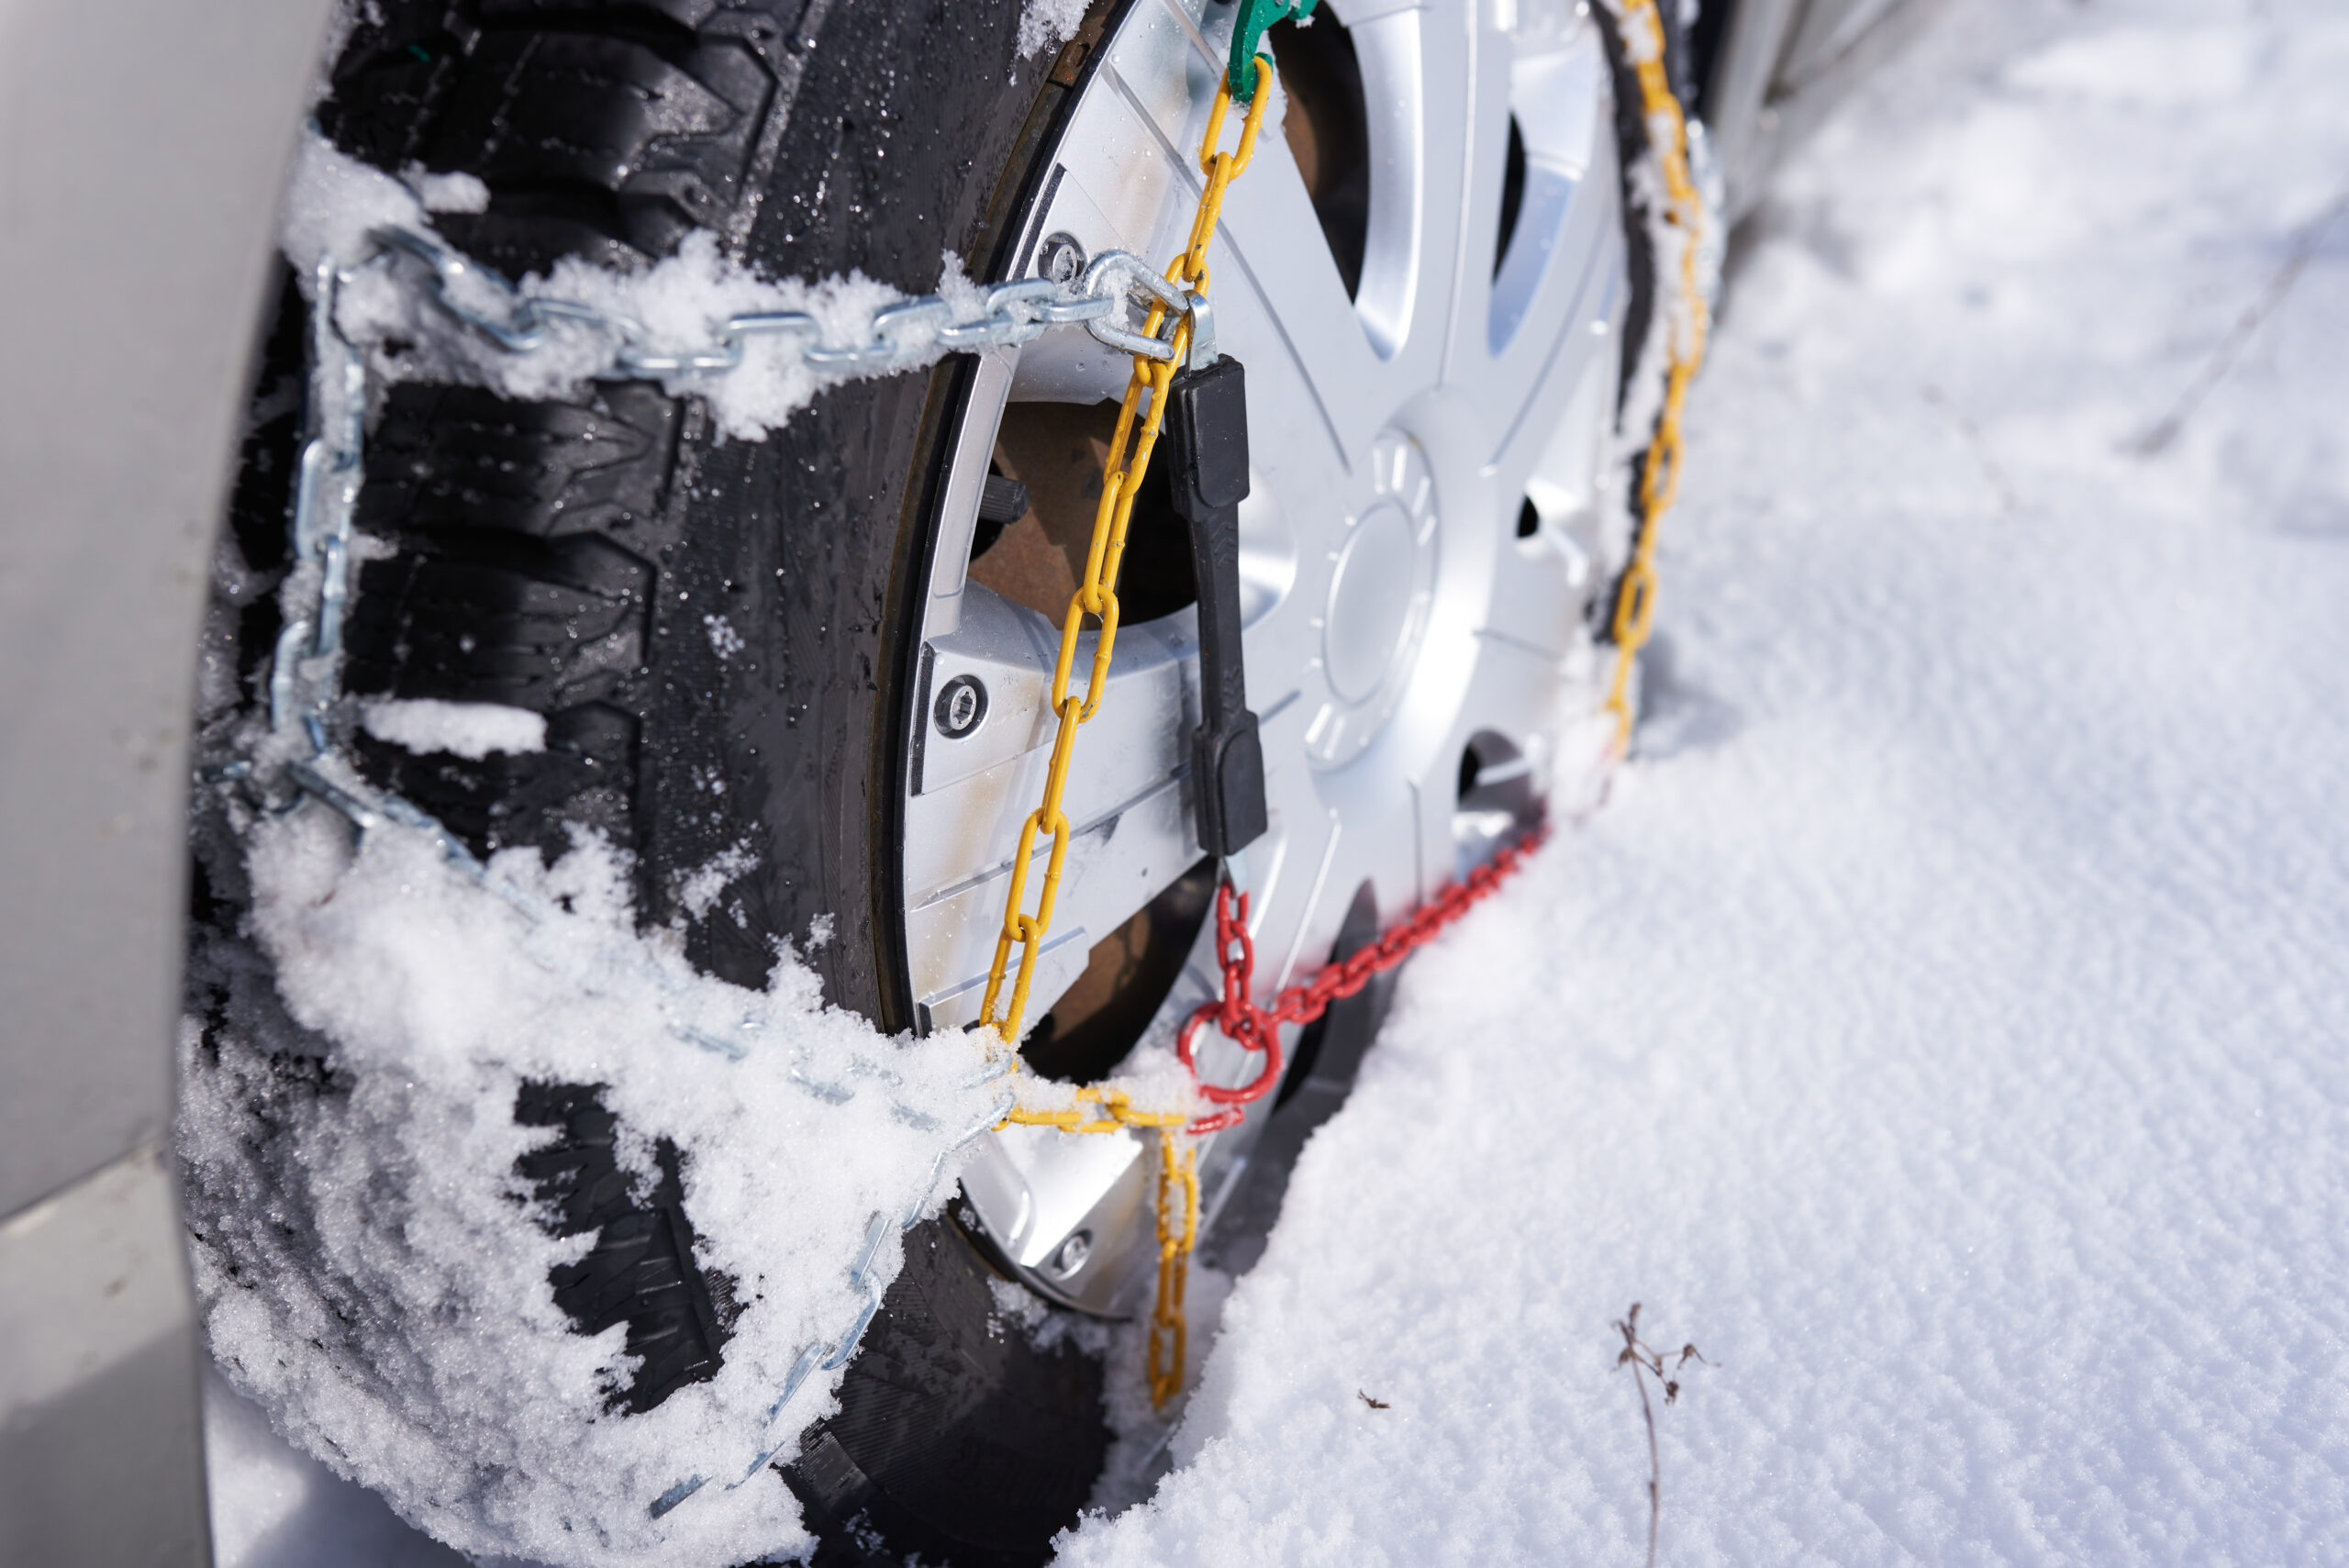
(1376, 610)
(1406, 630)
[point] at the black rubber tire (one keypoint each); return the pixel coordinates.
(1638, 314)
(954, 1442)
(565, 556)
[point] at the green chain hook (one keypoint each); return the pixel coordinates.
(1255, 16)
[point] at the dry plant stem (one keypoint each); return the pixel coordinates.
(2223, 358)
(1655, 1461)
(1644, 1360)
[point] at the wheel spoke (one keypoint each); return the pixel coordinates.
(1415, 551)
(1126, 804)
(1521, 336)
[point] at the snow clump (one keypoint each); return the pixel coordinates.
(469, 729)
(374, 1269)
(1048, 24)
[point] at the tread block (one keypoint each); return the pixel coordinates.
(954, 1422)
(457, 456)
(608, 130)
(641, 1270)
(668, 140)
(584, 779)
(397, 65)
(485, 617)
(508, 587)
(685, 13)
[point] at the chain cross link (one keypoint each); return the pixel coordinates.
(482, 300)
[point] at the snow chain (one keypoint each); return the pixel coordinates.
(1136, 436)
(1641, 29)
(1010, 313)
(1101, 1109)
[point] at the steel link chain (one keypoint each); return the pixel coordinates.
(1131, 445)
(303, 688)
(1010, 313)
(1178, 1194)
(1257, 1028)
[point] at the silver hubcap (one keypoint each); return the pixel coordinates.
(1416, 561)
(1382, 576)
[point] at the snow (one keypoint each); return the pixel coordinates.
(700, 891)
(1940, 1026)
(446, 192)
(372, 1270)
(474, 730)
(1048, 24)
(724, 641)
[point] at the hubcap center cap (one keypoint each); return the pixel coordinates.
(1370, 601)
(1376, 614)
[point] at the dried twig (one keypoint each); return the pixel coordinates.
(1976, 445)
(2164, 431)
(1645, 1362)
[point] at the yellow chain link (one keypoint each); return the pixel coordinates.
(1169, 1336)
(1136, 437)
(1122, 477)
(1643, 34)
(1115, 1111)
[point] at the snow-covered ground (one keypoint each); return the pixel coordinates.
(1946, 1025)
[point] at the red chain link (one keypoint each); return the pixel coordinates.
(1259, 1029)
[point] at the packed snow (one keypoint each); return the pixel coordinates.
(1942, 1026)
(474, 730)
(373, 1267)
(1048, 24)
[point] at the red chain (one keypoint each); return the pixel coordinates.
(1259, 1029)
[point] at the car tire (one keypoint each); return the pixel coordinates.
(722, 637)
(571, 557)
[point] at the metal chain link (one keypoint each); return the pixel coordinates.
(1257, 1028)
(482, 300)
(1179, 301)
(1179, 309)
(304, 683)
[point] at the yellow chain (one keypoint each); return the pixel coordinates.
(1115, 1111)
(1643, 33)
(1130, 446)
(1177, 1167)
(1122, 476)
(1121, 479)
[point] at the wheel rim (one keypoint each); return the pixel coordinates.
(1417, 551)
